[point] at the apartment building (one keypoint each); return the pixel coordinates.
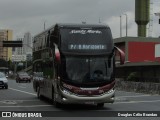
(5, 35)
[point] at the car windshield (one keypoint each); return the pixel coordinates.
(2, 75)
(86, 70)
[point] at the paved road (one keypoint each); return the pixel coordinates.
(21, 97)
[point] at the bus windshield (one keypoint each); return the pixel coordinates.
(85, 41)
(85, 70)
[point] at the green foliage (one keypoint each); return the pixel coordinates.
(3, 63)
(132, 76)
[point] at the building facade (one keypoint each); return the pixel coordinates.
(27, 46)
(139, 49)
(142, 58)
(18, 50)
(27, 43)
(5, 53)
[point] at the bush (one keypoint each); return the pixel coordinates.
(132, 76)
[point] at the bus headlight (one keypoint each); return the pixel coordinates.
(110, 91)
(65, 91)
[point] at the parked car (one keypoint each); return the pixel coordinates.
(37, 77)
(23, 76)
(3, 81)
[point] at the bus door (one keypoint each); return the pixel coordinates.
(38, 67)
(48, 72)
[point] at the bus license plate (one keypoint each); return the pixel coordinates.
(90, 102)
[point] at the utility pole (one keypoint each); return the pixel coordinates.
(99, 20)
(120, 26)
(126, 24)
(44, 24)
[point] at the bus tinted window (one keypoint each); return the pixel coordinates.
(86, 70)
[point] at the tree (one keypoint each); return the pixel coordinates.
(3, 63)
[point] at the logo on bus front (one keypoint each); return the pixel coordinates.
(85, 32)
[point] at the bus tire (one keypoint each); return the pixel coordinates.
(57, 104)
(38, 93)
(100, 105)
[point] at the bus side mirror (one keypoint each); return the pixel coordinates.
(121, 54)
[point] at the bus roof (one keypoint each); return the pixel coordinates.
(70, 25)
(73, 25)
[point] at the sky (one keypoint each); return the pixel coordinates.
(23, 16)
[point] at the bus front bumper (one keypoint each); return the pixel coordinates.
(67, 97)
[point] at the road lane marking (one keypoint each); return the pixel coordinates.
(23, 91)
(21, 86)
(137, 102)
(27, 106)
(114, 103)
(12, 106)
(129, 92)
(20, 100)
(7, 102)
(135, 96)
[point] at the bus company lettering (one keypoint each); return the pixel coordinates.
(87, 47)
(85, 32)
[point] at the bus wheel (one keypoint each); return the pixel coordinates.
(100, 105)
(38, 93)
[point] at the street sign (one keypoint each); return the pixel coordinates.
(12, 43)
(18, 58)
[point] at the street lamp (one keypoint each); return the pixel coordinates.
(126, 25)
(44, 24)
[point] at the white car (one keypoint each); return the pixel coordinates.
(3, 81)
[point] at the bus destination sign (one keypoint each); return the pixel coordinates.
(86, 47)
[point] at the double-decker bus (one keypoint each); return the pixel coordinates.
(77, 62)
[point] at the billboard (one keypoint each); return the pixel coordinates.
(18, 58)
